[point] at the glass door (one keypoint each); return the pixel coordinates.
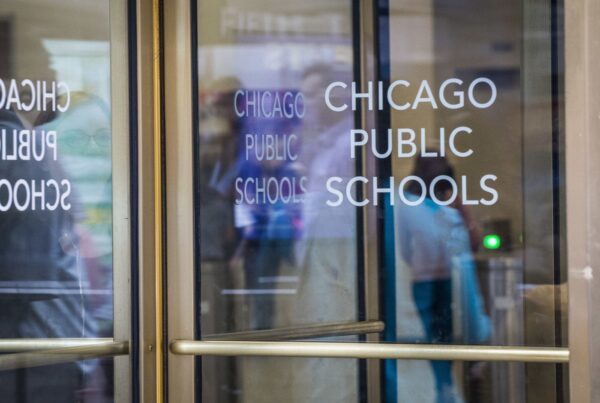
(64, 202)
(284, 266)
(366, 201)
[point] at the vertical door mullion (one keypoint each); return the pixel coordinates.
(583, 193)
(179, 123)
(147, 189)
(121, 186)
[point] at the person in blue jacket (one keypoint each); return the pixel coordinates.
(436, 243)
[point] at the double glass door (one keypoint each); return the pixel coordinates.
(374, 202)
(277, 201)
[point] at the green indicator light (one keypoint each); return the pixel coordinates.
(492, 241)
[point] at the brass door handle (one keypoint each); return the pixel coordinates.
(371, 350)
(24, 345)
(63, 351)
(302, 332)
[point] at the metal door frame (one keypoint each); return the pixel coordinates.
(582, 106)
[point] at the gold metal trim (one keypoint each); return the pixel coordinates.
(179, 195)
(158, 212)
(371, 238)
(21, 345)
(302, 332)
(62, 355)
(582, 106)
(375, 350)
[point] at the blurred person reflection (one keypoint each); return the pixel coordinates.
(218, 131)
(218, 167)
(85, 156)
(267, 215)
(84, 143)
(436, 243)
(326, 252)
(53, 281)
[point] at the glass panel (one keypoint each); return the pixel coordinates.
(439, 176)
(475, 105)
(270, 256)
(60, 382)
(56, 254)
(266, 147)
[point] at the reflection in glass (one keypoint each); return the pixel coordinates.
(57, 382)
(434, 243)
(475, 261)
(270, 255)
(467, 250)
(56, 192)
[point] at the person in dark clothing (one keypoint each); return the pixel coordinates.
(43, 274)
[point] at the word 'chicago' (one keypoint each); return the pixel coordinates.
(28, 95)
(268, 104)
(451, 94)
